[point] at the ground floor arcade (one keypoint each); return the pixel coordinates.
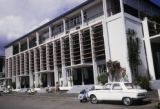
(76, 75)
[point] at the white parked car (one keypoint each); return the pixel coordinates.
(118, 91)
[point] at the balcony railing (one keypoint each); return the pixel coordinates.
(93, 17)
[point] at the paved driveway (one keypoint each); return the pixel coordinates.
(51, 101)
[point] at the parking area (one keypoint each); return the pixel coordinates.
(65, 101)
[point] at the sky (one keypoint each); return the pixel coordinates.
(18, 17)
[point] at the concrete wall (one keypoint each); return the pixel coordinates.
(118, 43)
(136, 25)
(9, 52)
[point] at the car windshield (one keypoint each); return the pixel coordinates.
(132, 86)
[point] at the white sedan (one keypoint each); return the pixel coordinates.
(118, 91)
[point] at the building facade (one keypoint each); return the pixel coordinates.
(73, 48)
(2, 69)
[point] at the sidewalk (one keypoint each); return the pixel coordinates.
(61, 94)
(153, 96)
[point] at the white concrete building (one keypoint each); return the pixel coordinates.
(73, 48)
(2, 70)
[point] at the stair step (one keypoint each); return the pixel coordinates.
(76, 89)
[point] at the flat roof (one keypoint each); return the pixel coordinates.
(59, 17)
(54, 20)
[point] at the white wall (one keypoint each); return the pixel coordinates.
(137, 26)
(118, 43)
(9, 52)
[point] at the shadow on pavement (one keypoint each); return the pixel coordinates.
(135, 103)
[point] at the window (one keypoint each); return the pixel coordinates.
(57, 29)
(15, 49)
(1, 64)
(74, 21)
(107, 87)
(132, 86)
(32, 42)
(24, 46)
(116, 87)
(43, 36)
(113, 7)
(102, 68)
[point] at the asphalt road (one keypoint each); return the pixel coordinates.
(61, 102)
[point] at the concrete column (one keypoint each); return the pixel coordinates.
(49, 79)
(50, 32)
(40, 50)
(12, 67)
(18, 84)
(35, 56)
(95, 71)
(82, 17)
(71, 49)
(64, 25)
(55, 65)
(37, 38)
(148, 49)
(20, 58)
(31, 81)
(121, 5)
(106, 41)
(47, 57)
(27, 43)
(81, 47)
(29, 54)
(105, 8)
(19, 47)
(16, 65)
(63, 64)
(25, 72)
(124, 29)
(105, 32)
(40, 79)
(36, 82)
(8, 67)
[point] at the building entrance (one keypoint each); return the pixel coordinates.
(25, 82)
(83, 76)
(47, 79)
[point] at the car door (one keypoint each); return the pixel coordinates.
(116, 92)
(106, 92)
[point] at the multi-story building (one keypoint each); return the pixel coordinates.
(73, 48)
(2, 70)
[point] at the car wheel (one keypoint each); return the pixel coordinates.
(81, 101)
(127, 101)
(85, 100)
(93, 99)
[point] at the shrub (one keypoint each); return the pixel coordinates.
(103, 78)
(143, 81)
